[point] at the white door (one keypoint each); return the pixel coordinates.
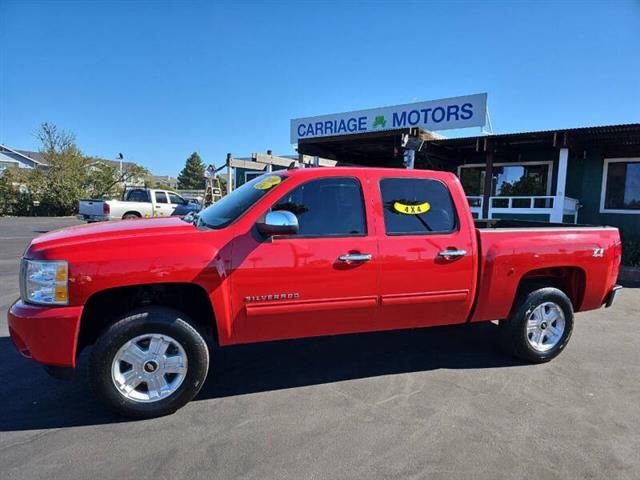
(162, 207)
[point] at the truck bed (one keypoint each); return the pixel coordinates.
(582, 260)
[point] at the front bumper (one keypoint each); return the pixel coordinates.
(608, 301)
(46, 335)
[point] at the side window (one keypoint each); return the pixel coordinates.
(327, 207)
(175, 199)
(161, 197)
(416, 206)
(137, 195)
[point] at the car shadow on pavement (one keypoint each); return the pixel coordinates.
(33, 400)
(252, 368)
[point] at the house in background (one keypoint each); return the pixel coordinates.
(165, 181)
(13, 158)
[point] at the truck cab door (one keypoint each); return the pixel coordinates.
(320, 281)
(427, 257)
(161, 206)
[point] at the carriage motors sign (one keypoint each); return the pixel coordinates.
(444, 114)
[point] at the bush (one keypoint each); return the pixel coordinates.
(631, 253)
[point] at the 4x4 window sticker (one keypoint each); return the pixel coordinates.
(410, 207)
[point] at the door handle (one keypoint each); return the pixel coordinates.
(158, 206)
(355, 257)
(452, 253)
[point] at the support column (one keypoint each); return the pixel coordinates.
(558, 202)
(488, 183)
(229, 172)
(409, 159)
(269, 166)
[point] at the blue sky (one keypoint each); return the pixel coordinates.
(157, 80)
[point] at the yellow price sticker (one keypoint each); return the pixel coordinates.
(268, 182)
(411, 209)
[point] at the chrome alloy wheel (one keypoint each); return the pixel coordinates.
(545, 326)
(149, 367)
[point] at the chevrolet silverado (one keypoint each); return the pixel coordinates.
(297, 253)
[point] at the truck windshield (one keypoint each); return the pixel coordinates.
(231, 207)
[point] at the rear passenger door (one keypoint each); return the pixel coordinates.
(426, 259)
(162, 207)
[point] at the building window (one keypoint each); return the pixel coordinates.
(509, 180)
(621, 186)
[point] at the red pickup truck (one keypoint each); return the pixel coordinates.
(292, 254)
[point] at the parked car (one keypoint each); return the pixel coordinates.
(137, 203)
(292, 254)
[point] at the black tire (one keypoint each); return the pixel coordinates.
(148, 320)
(131, 215)
(514, 334)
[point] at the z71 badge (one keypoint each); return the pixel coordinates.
(598, 252)
(276, 296)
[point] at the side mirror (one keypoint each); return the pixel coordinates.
(278, 222)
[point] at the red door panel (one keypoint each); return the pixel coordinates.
(291, 288)
(419, 285)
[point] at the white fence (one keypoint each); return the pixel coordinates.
(556, 206)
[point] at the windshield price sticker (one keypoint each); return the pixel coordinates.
(267, 183)
(411, 209)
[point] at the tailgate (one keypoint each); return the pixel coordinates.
(91, 207)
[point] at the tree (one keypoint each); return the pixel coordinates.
(68, 177)
(192, 175)
(106, 180)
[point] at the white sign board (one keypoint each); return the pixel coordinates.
(444, 114)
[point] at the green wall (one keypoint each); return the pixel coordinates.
(589, 173)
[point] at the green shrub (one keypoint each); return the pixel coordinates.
(631, 253)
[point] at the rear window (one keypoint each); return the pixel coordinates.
(137, 195)
(161, 197)
(417, 206)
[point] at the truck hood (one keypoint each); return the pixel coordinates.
(116, 229)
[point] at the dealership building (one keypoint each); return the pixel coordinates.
(587, 175)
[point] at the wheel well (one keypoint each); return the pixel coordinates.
(131, 212)
(571, 280)
(103, 308)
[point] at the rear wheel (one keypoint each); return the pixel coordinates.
(130, 215)
(149, 363)
(539, 326)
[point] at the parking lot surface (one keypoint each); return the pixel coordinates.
(434, 403)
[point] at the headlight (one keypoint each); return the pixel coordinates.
(44, 282)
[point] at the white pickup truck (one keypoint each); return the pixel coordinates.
(137, 203)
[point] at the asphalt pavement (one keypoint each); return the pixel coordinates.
(440, 403)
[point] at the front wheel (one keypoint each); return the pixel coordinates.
(149, 363)
(539, 326)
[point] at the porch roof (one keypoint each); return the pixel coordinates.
(625, 134)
